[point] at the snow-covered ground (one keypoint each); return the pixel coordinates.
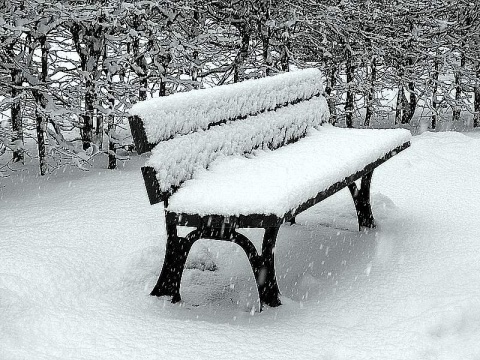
(79, 253)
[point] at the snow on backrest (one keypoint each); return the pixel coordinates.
(181, 113)
(176, 160)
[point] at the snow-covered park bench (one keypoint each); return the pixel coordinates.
(250, 155)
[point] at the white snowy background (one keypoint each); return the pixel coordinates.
(80, 251)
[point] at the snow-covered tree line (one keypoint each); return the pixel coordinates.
(69, 70)
(425, 50)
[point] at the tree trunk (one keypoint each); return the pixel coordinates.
(194, 70)
(16, 109)
(267, 59)
(195, 62)
(331, 82)
(476, 106)
(95, 52)
(436, 72)
(40, 116)
(406, 108)
(457, 109)
(140, 62)
(99, 128)
(239, 65)
(400, 105)
(285, 53)
(86, 130)
(265, 34)
(142, 92)
(163, 88)
(16, 116)
(90, 53)
(112, 158)
(409, 106)
(41, 129)
(349, 103)
(371, 92)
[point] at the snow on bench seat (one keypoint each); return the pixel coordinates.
(275, 182)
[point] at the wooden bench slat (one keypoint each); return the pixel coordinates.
(142, 145)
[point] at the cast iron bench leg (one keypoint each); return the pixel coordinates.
(266, 280)
(361, 199)
(176, 254)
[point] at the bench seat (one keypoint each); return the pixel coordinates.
(277, 182)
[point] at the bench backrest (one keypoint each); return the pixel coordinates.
(159, 119)
(281, 110)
